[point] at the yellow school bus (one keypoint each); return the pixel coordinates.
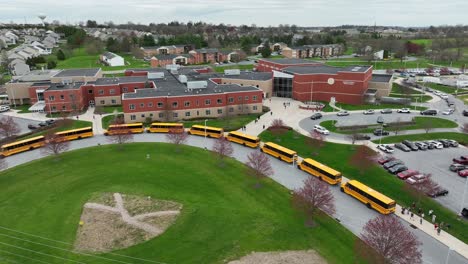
(165, 127)
(320, 171)
(78, 133)
(243, 139)
(22, 145)
(279, 152)
(134, 128)
(369, 196)
(214, 132)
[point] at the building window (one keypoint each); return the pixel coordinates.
(254, 107)
(64, 107)
(231, 109)
(207, 102)
(103, 102)
(133, 117)
(246, 98)
(101, 92)
(231, 99)
(113, 101)
(151, 114)
(160, 105)
(52, 98)
(175, 115)
(54, 108)
(125, 89)
(142, 105)
(254, 98)
(72, 96)
(112, 91)
(187, 113)
(132, 107)
(150, 104)
(143, 115)
(90, 91)
(208, 112)
(174, 104)
(258, 86)
(220, 111)
(239, 99)
(161, 115)
(197, 103)
(186, 103)
(219, 101)
(239, 107)
(62, 97)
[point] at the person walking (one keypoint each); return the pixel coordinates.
(264, 127)
(403, 210)
(271, 112)
(411, 216)
(419, 211)
(420, 220)
(422, 215)
(433, 218)
(430, 212)
(438, 231)
(435, 226)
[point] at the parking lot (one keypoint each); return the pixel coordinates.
(437, 162)
(22, 123)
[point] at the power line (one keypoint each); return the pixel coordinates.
(18, 255)
(66, 243)
(41, 253)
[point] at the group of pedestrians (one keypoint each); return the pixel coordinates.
(286, 104)
(412, 211)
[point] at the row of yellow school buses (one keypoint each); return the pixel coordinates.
(363, 193)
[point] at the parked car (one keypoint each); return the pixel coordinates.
(316, 116)
(465, 112)
(404, 110)
(445, 143)
(461, 160)
(464, 212)
(32, 126)
(392, 163)
(342, 113)
(385, 148)
(43, 124)
(434, 143)
(456, 167)
(385, 159)
(386, 111)
(429, 144)
(362, 137)
(421, 146)
(453, 143)
(410, 145)
(381, 132)
(402, 147)
(416, 179)
(438, 191)
(429, 112)
(321, 130)
(463, 173)
(4, 108)
(369, 112)
(397, 169)
(50, 121)
(380, 120)
(406, 174)
(448, 111)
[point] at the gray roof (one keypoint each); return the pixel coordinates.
(78, 72)
(244, 75)
(171, 56)
(381, 78)
(117, 80)
(290, 61)
(60, 86)
(204, 50)
(110, 55)
(324, 69)
(147, 70)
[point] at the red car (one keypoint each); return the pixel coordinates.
(463, 173)
(406, 174)
(385, 159)
(462, 160)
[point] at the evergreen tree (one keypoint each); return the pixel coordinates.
(60, 55)
(266, 51)
(51, 64)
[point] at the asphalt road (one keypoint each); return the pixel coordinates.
(351, 213)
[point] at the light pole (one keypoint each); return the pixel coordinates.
(204, 139)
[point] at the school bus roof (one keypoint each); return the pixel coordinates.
(322, 166)
(372, 192)
(127, 125)
(203, 127)
(167, 124)
(281, 148)
(22, 141)
(244, 135)
(77, 129)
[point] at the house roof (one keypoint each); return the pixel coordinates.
(324, 69)
(78, 72)
(381, 78)
(171, 56)
(110, 55)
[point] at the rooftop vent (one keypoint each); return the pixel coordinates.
(355, 69)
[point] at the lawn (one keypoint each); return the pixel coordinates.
(107, 120)
(338, 155)
(464, 98)
(223, 216)
(461, 138)
(425, 42)
(442, 88)
(421, 63)
(398, 89)
(108, 109)
(23, 109)
(230, 124)
(230, 67)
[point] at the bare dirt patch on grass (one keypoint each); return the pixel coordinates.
(282, 257)
(106, 224)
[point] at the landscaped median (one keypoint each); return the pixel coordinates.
(337, 156)
(460, 137)
(71, 124)
(350, 107)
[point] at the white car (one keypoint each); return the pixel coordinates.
(448, 112)
(385, 148)
(369, 112)
(321, 130)
(403, 110)
(437, 144)
(443, 96)
(4, 108)
(416, 179)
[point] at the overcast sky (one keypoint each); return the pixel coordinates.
(262, 13)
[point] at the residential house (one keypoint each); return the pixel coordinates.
(112, 59)
(18, 67)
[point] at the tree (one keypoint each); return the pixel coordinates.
(427, 125)
(121, 134)
(54, 144)
(8, 127)
(51, 64)
(366, 252)
(420, 189)
(259, 166)
(278, 128)
(60, 55)
(397, 126)
(112, 45)
(363, 158)
(354, 135)
(390, 238)
(148, 41)
(177, 137)
(91, 24)
(312, 196)
(266, 51)
(94, 46)
(315, 141)
(222, 148)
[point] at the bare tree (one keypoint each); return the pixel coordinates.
(258, 166)
(177, 137)
(397, 126)
(120, 134)
(363, 158)
(311, 197)
(354, 136)
(427, 125)
(316, 142)
(465, 128)
(389, 237)
(8, 127)
(222, 148)
(278, 128)
(54, 144)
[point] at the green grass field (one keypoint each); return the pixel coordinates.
(223, 216)
(461, 138)
(338, 155)
(394, 64)
(398, 89)
(23, 109)
(464, 98)
(425, 42)
(442, 88)
(107, 120)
